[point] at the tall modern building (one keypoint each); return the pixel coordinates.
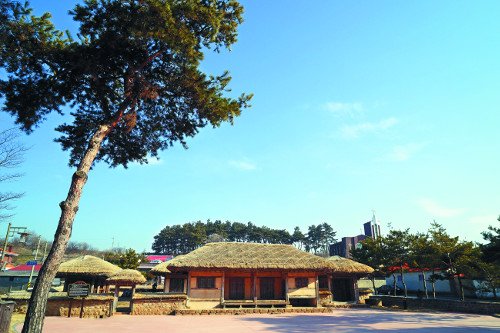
(343, 248)
(372, 228)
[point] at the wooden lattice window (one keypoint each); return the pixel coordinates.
(176, 285)
(301, 282)
(205, 282)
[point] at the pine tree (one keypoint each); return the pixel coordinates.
(132, 80)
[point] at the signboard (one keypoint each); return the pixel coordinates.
(32, 263)
(78, 289)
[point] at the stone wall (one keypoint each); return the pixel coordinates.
(325, 297)
(438, 304)
(93, 307)
(60, 307)
(364, 294)
(157, 305)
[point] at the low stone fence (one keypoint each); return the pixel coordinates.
(94, 306)
(157, 304)
(436, 304)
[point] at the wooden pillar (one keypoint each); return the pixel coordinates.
(188, 283)
(254, 287)
(330, 287)
(66, 283)
(222, 287)
(133, 291)
(356, 290)
(92, 285)
(287, 300)
(165, 286)
(115, 299)
(316, 283)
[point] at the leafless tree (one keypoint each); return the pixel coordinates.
(11, 156)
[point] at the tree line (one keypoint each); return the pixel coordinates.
(435, 254)
(181, 239)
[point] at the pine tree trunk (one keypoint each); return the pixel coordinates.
(35, 314)
(394, 277)
(373, 283)
(462, 296)
(425, 284)
(403, 282)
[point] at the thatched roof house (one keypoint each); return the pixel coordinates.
(126, 277)
(87, 268)
(87, 265)
(249, 256)
(253, 273)
(345, 265)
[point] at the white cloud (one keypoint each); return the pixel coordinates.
(402, 153)
(242, 165)
(434, 209)
(354, 131)
(339, 109)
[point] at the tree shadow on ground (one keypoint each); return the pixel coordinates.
(378, 320)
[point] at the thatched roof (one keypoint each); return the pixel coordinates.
(226, 256)
(87, 266)
(345, 265)
(126, 277)
(161, 269)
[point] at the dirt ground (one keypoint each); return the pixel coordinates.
(341, 320)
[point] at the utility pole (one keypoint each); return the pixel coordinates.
(33, 267)
(10, 232)
(45, 251)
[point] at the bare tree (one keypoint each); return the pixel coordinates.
(11, 156)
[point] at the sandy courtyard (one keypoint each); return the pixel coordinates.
(344, 320)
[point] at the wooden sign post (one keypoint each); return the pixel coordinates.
(78, 289)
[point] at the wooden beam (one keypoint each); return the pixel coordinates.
(254, 287)
(188, 288)
(165, 285)
(330, 287)
(222, 288)
(115, 299)
(316, 283)
(286, 289)
(356, 290)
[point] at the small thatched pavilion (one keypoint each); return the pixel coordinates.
(125, 277)
(342, 280)
(236, 274)
(89, 269)
(173, 282)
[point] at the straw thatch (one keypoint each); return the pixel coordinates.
(126, 277)
(161, 268)
(87, 266)
(345, 265)
(227, 256)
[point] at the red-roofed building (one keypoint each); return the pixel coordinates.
(25, 268)
(17, 278)
(153, 261)
(162, 258)
(8, 255)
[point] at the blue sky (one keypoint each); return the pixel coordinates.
(389, 106)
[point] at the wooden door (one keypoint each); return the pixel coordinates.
(237, 288)
(266, 288)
